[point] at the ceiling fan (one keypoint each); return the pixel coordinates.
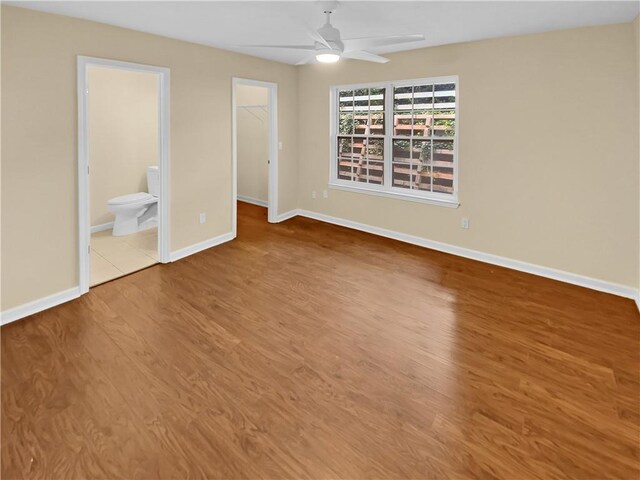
(328, 46)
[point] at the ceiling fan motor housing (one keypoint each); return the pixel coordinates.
(332, 37)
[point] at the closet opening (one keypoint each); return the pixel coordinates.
(255, 148)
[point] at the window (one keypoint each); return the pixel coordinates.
(396, 139)
(361, 135)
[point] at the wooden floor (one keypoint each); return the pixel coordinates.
(305, 350)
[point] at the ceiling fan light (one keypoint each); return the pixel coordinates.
(327, 57)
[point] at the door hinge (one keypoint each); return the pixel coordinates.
(88, 249)
(87, 169)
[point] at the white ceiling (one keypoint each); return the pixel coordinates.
(229, 25)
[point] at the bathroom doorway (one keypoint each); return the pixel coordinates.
(255, 147)
(123, 160)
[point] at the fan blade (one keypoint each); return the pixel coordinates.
(373, 42)
(290, 47)
(366, 56)
(306, 60)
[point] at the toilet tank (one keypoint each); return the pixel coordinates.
(153, 180)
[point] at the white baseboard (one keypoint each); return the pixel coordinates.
(198, 247)
(560, 275)
(21, 311)
(287, 215)
(254, 201)
(102, 227)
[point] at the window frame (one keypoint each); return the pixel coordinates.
(387, 189)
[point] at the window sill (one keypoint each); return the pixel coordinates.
(441, 202)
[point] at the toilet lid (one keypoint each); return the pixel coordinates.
(131, 198)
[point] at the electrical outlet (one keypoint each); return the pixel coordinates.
(279, 145)
(313, 194)
(464, 223)
(325, 194)
(203, 217)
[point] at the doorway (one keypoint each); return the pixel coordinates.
(123, 168)
(255, 146)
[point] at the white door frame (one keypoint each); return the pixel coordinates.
(273, 148)
(84, 220)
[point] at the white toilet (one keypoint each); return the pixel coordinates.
(137, 211)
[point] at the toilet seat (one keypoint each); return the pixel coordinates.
(140, 197)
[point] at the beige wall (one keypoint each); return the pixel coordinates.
(253, 141)
(39, 144)
(636, 32)
(247, 95)
(123, 135)
(548, 149)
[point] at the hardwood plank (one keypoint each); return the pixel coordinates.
(306, 350)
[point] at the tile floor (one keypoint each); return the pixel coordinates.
(113, 257)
